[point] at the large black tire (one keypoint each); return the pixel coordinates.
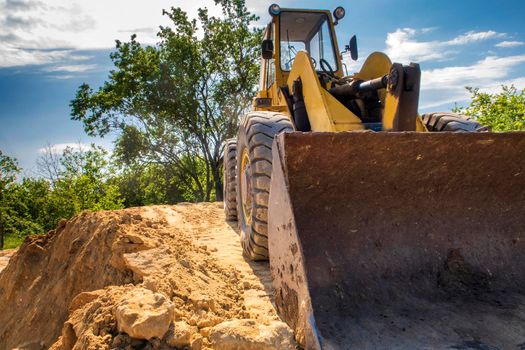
(230, 181)
(451, 122)
(256, 134)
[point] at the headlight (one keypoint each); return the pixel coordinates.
(274, 10)
(339, 13)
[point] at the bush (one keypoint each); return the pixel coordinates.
(80, 181)
(504, 111)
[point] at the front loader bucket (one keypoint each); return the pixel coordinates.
(400, 240)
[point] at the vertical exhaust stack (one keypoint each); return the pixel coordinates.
(399, 240)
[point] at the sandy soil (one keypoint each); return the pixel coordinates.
(207, 225)
(5, 255)
(159, 277)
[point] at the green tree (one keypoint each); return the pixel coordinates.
(503, 111)
(174, 104)
(21, 203)
(35, 196)
(8, 171)
(150, 184)
(25, 209)
(71, 182)
(83, 183)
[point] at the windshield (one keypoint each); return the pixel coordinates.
(306, 31)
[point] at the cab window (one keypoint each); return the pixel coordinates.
(308, 31)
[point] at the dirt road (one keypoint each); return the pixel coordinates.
(207, 225)
(159, 277)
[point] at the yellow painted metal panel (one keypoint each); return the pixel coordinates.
(389, 112)
(420, 126)
(324, 111)
(376, 65)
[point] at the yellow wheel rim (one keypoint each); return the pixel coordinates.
(246, 188)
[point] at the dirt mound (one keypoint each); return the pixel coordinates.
(151, 277)
(5, 256)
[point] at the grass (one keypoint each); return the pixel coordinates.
(12, 241)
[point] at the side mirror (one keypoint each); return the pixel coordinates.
(352, 47)
(267, 49)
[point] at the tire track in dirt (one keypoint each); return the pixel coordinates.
(222, 239)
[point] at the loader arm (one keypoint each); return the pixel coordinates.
(324, 112)
(397, 94)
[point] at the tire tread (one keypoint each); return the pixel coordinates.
(230, 182)
(450, 122)
(259, 130)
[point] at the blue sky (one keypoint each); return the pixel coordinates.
(48, 48)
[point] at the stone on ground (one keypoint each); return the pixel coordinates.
(144, 314)
(249, 334)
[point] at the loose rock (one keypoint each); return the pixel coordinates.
(179, 334)
(144, 314)
(248, 334)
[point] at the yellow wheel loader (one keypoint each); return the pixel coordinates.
(384, 229)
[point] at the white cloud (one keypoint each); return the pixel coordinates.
(61, 147)
(402, 45)
(446, 85)
(63, 76)
(48, 31)
(506, 44)
(488, 69)
(80, 57)
(428, 30)
(74, 68)
(518, 82)
(471, 37)
(11, 56)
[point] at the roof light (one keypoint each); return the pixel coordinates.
(339, 13)
(274, 10)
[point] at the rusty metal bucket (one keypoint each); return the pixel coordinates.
(400, 240)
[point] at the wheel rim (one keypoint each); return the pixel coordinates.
(246, 188)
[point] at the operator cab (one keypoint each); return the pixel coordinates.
(312, 31)
(308, 31)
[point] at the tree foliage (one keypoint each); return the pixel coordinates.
(175, 103)
(79, 181)
(151, 184)
(20, 203)
(83, 181)
(503, 111)
(8, 171)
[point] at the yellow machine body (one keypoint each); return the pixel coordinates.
(327, 114)
(382, 233)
